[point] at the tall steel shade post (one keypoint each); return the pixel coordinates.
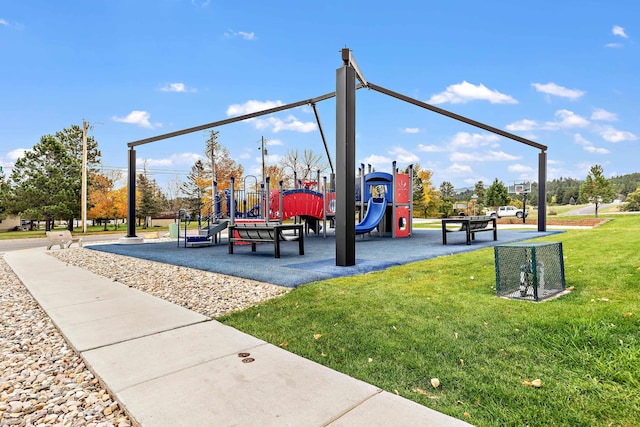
(131, 188)
(542, 191)
(345, 165)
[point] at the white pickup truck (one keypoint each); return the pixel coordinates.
(507, 211)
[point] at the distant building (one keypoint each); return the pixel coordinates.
(10, 223)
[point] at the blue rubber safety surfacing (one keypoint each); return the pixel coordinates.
(373, 253)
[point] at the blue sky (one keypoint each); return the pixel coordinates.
(565, 74)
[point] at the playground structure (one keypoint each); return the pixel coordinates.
(206, 236)
(345, 141)
(385, 202)
(389, 202)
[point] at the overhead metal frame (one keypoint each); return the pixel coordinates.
(345, 151)
(542, 157)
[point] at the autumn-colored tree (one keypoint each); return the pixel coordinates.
(429, 192)
(120, 204)
(106, 202)
(102, 207)
(276, 174)
(225, 166)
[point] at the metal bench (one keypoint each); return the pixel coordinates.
(470, 225)
(265, 232)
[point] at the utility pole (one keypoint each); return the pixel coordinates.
(264, 181)
(212, 149)
(83, 202)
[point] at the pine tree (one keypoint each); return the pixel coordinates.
(198, 185)
(44, 183)
(497, 194)
(596, 188)
(150, 199)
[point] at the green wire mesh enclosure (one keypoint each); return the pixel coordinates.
(529, 271)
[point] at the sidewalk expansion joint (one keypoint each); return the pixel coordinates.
(141, 336)
(346, 411)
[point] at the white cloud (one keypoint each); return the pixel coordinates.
(430, 148)
(177, 159)
(464, 92)
(592, 149)
(619, 31)
(609, 133)
(600, 114)
(458, 170)
(380, 163)
(488, 156)
(230, 34)
(136, 117)
(587, 145)
(176, 87)
(3, 22)
(465, 139)
(567, 119)
(403, 156)
(523, 125)
(613, 45)
(556, 90)
(411, 130)
(274, 142)
(274, 123)
(15, 154)
(251, 106)
(290, 123)
(268, 159)
(519, 168)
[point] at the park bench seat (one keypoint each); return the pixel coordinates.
(266, 232)
(62, 238)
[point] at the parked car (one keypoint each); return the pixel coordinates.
(508, 211)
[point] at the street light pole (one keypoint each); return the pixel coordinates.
(83, 201)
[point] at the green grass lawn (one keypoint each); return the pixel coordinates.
(440, 318)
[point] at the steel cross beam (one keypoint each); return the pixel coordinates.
(231, 120)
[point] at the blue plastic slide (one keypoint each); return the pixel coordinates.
(375, 212)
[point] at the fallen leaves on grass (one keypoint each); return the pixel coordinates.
(435, 382)
(317, 336)
(424, 393)
(462, 362)
(628, 314)
(571, 288)
(284, 344)
(537, 383)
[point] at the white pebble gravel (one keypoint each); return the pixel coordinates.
(44, 383)
(210, 294)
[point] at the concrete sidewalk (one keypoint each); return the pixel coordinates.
(169, 366)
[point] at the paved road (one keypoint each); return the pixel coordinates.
(18, 244)
(591, 209)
